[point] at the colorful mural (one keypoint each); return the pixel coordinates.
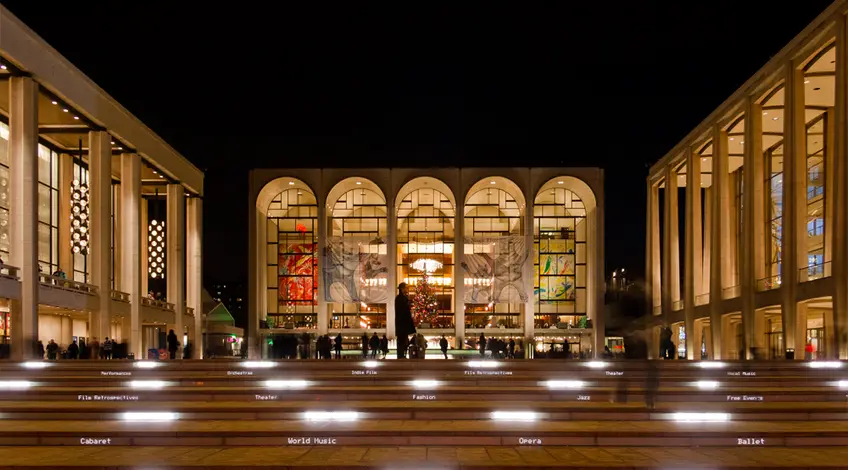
(298, 274)
(554, 271)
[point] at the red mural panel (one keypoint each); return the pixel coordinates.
(299, 274)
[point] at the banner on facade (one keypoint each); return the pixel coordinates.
(493, 268)
(356, 270)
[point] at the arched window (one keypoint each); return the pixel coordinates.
(425, 242)
(355, 266)
(560, 254)
(292, 259)
(494, 255)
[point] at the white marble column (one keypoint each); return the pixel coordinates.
(131, 266)
(322, 309)
(718, 239)
(652, 261)
(391, 256)
(529, 280)
(753, 225)
(840, 197)
(458, 272)
(175, 259)
(23, 158)
(194, 271)
(692, 249)
(670, 246)
(100, 251)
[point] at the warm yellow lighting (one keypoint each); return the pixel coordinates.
(426, 265)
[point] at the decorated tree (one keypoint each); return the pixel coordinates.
(424, 305)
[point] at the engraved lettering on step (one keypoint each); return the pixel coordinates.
(750, 441)
(423, 397)
(745, 398)
(741, 374)
(614, 372)
(107, 397)
(584, 397)
(363, 372)
(300, 441)
(529, 441)
(239, 372)
(325, 441)
(488, 372)
(90, 441)
(266, 397)
(114, 372)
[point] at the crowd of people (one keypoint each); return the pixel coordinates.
(94, 349)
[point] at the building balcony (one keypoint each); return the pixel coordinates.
(677, 305)
(70, 285)
(769, 283)
(702, 299)
(731, 292)
(814, 271)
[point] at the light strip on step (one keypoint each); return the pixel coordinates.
(483, 364)
(338, 416)
(147, 364)
(258, 364)
(682, 417)
(824, 364)
(515, 416)
(843, 384)
(711, 364)
(36, 364)
(707, 384)
(565, 384)
(370, 364)
(425, 383)
(278, 384)
(149, 416)
(148, 384)
(596, 364)
(15, 384)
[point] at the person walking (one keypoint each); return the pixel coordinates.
(443, 344)
(173, 344)
(363, 340)
(337, 345)
(511, 348)
(52, 349)
(404, 324)
(374, 344)
(482, 344)
(108, 345)
(73, 350)
(95, 349)
(384, 345)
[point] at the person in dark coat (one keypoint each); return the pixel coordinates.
(482, 343)
(384, 345)
(364, 345)
(404, 325)
(443, 345)
(338, 346)
(374, 344)
(173, 344)
(73, 350)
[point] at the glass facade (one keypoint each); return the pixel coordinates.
(490, 213)
(82, 271)
(358, 219)
(773, 151)
(48, 210)
(292, 268)
(5, 201)
(425, 247)
(559, 263)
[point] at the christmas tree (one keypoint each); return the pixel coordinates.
(424, 305)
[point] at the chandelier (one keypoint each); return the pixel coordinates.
(79, 217)
(426, 265)
(156, 249)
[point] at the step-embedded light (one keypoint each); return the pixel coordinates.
(483, 364)
(147, 364)
(258, 364)
(36, 364)
(515, 416)
(149, 416)
(370, 364)
(682, 417)
(707, 384)
(425, 383)
(15, 384)
(321, 416)
(283, 384)
(148, 384)
(565, 384)
(596, 364)
(711, 365)
(825, 364)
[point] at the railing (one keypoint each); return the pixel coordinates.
(189, 311)
(731, 292)
(657, 309)
(160, 304)
(814, 271)
(120, 296)
(9, 272)
(768, 283)
(677, 305)
(66, 284)
(702, 299)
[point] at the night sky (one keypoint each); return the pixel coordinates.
(245, 85)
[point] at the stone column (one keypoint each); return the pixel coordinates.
(529, 273)
(255, 271)
(194, 270)
(800, 331)
(66, 178)
(793, 244)
(692, 248)
(100, 212)
(458, 272)
(671, 247)
(707, 218)
(391, 256)
(145, 263)
(132, 243)
(718, 237)
(323, 222)
(652, 261)
(839, 266)
(23, 158)
(175, 259)
(753, 226)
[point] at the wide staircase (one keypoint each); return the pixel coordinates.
(424, 414)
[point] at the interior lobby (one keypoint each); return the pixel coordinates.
(100, 219)
(748, 215)
(328, 248)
